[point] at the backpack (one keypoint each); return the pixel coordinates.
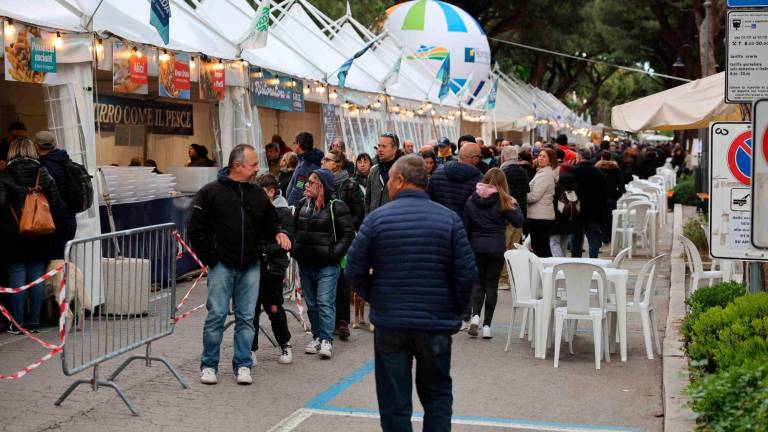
(568, 204)
(36, 219)
(78, 195)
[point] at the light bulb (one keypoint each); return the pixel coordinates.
(428, 106)
(164, 57)
(192, 63)
(320, 89)
(377, 104)
(99, 47)
(307, 90)
(258, 75)
(420, 111)
(333, 95)
(59, 42)
(433, 112)
(10, 29)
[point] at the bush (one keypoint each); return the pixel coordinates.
(733, 399)
(707, 297)
(685, 191)
(693, 231)
(725, 337)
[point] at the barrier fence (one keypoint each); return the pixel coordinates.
(131, 276)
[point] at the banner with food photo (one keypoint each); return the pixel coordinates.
(211, 79)
(130, 69)
(173, 75)
(30, 54)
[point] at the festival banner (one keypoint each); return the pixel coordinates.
(270, 90)
(212, 81)
(130, 69)
(30, 54)
(163, 118)
(173, 75)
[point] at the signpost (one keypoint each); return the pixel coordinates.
(747, 3)
(759, 171)
(746, 78)
(731, 196)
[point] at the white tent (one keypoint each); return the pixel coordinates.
(690, 106)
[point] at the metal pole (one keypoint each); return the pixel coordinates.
(755, 284)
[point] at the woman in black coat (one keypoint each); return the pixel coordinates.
(27, 259)
(488, 211)
(567, 209)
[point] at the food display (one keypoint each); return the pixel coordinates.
(211, 80)
(173, 75)
(129, 69)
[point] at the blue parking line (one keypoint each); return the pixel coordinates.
(322, 402)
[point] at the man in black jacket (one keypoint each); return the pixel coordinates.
(231, 218)
(593, 196)
(53, 159)
(518, 182)
(454, 182)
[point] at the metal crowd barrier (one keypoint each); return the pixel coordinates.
(129, 278)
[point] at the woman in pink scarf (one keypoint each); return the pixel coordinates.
(486, 215)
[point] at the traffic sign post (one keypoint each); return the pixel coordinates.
(759, 169)
(731, 198)
(747, 3)
(746, 46)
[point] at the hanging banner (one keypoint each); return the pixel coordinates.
(212, 80)
(130, 69)
(30, 54)
(270, 90)
(173, 75)
(160, 17)
(162, 118)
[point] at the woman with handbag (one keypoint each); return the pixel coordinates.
(27, 195)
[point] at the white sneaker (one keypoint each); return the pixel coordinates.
(326, 349)
(244, 376)
(464, 325)
(487, 332)
(313, 346)
(474, 325)
(208, 376)
(286, 354)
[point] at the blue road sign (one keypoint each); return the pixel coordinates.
(747, 3)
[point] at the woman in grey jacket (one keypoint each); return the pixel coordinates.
(541, 212)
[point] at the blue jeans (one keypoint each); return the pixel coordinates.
(594, 237)
(242, 286)
(318, 284)
(21, 273)
(394, 353)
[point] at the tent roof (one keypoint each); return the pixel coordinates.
(690, 106)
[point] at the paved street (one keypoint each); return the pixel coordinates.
(493, 390)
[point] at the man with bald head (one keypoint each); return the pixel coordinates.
(455, 181)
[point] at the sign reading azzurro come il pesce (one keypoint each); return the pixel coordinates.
(271, 90)
(159, 117)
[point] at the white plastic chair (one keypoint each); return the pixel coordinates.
(636, 222)
(519, 270)
(620, 258)
(578, 279)
(642, 304)
(697, 266)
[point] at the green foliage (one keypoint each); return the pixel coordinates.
(708, 297)
(693, 231)
(725, 337)
(685, 191)
(735, 399)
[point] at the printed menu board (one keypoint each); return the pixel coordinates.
(212, 80)
(174, 76)
(130, 69)
(30, 54)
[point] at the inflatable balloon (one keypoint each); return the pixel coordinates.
(432, 30)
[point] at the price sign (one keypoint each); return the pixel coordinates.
(746, 77)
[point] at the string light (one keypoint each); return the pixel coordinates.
(320, 88)
(136, 52)
(99, 47)
(333, 95)
(307, 90)
(164, 57)
(192, 64)
(59, 42)
(10, 29)
(377, 104)
(259, 74)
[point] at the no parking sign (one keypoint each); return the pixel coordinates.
(731, 199)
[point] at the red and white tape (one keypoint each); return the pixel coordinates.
(184, 246)
(39, 280)
(53, 349)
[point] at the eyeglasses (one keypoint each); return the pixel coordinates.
(325, 159)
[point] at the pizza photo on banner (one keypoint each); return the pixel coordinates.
(30, 54)
(211, 79)
(173, 75)
(130, 69)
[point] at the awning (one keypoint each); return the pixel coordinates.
(690, 106)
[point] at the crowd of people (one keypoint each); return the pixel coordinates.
(419, 234)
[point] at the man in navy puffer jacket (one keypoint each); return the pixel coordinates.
(454, 182)
(309, 160)
(417, 291)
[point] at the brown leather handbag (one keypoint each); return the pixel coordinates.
(36, 219)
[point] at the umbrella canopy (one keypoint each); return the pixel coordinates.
(690, 106)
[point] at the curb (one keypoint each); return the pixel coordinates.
(677, 415)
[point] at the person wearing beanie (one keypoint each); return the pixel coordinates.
(324, 231)
(16, 129)
(309, 160)
(198, 156)
(54, 160)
